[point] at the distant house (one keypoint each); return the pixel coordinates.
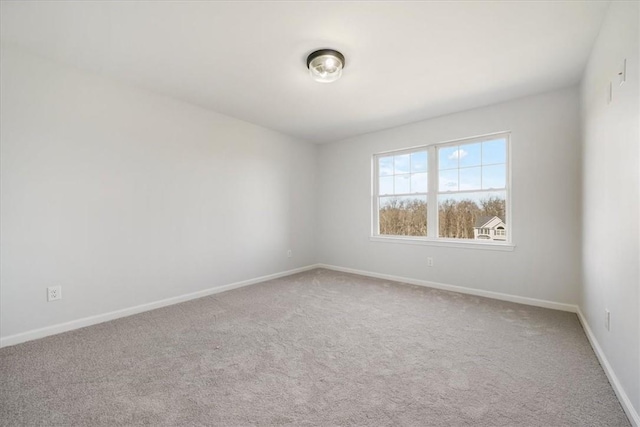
(490, 228)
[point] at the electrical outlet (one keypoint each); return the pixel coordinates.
(54, 293)
(607, 319)
(430, 262)
(289, 253)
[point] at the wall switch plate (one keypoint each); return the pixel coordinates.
(622, 74)
(54, 293)
(289, 253)
(430, 262)
(609, 93)
(607, 319)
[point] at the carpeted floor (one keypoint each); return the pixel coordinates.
(315, 349)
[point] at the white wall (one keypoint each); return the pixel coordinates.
(611, 189)
(125, 197)
(545, 202)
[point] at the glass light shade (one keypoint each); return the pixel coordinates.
(325, 66)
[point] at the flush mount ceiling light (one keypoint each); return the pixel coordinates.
(325, 65)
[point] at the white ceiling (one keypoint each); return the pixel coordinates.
(405, 61)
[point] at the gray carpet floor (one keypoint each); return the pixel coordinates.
(318, 348)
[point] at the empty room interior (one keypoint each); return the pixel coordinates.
(320, 213)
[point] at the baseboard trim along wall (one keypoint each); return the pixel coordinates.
(631, 412)
(100, 318)
(461, 289)
(105, 317)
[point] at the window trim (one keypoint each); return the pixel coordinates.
(432, 197)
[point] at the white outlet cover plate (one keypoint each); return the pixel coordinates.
(54, 293)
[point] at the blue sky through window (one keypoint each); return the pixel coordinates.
(403, 173)
(419, 161)
(473, 167)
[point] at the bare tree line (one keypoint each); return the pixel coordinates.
(408, 217)
(401, 217)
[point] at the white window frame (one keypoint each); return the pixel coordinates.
(432, 198)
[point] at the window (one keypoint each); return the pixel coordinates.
(456, 191)
(402, 193)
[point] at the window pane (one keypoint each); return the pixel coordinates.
(419, 183)
(469, 155)
(403, 216)
(448, 180)
(385, 166)
(474, 216)
(419, 161)
(470, 179)
(447, 158)
(402, 184)
(494, 151)
(386, 185)
(494, 177)
(401, 164)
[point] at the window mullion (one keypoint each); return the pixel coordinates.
(375, 199)
(432, 197)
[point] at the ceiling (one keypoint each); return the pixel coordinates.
(405, 61)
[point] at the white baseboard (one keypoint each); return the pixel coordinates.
(631, 412)
(92, 320)
(461, 289)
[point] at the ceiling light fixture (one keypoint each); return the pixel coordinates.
(325, 65)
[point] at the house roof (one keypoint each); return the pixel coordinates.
(481, 221)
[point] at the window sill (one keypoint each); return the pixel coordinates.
(505, 247)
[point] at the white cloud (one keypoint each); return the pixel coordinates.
(458, 154)
(386, 170)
